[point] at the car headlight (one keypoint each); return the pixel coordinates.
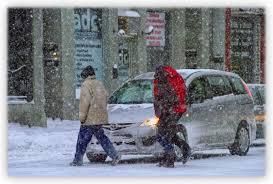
(151, 122)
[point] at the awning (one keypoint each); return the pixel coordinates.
(127, 13)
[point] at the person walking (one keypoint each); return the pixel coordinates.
(169, 104)
(93, 114)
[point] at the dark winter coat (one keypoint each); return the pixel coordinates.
(169, 92)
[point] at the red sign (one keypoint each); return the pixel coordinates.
(157, 37)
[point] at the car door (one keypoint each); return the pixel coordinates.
(243, 104)
(222, 109)
(197, 119)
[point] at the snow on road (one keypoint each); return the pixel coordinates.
(48, 151)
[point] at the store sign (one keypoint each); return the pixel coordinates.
(88, 42)
(242, 42)
(248, 10)
(157, 37)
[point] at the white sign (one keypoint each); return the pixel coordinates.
(88, 42)
(157, 37)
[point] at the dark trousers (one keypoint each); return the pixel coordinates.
(84, 137)
(167, 130)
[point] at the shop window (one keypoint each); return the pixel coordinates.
(20, 65)
(88, 42)
(128, 22)
(123, 24)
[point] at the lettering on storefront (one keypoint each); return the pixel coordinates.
(157, 37)
(88, 42)
(242, 47)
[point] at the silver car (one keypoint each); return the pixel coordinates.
(258, 93)
(219, 115)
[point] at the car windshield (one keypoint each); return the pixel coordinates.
(133, 92)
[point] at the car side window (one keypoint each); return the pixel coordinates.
(238, 87)
(219, 85)
(197, 91)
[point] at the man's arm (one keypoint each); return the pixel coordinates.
(85, 98)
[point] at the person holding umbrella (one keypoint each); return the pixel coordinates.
(169, 104)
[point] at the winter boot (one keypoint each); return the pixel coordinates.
(169, 161)
(186, 153)
(234, 148)
(77, 162)
(116, 160)
(162, 160)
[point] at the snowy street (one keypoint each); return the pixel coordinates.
(154, 84)
(48, 151)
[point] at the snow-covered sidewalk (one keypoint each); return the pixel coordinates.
(47, 152)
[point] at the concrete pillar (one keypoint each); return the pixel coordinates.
(68, 64)
(217, 47)
(53, 73)
(110, 47)
(141, 43)
(177, 38)
(38, 114)
(205, 38)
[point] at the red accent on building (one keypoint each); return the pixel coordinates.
(262, 50)
(228, 39)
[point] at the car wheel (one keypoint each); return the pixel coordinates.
(95, 158)
(241, 143)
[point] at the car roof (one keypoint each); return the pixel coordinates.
(186, 73)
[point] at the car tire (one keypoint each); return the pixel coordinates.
(242, 142)
(96, 158)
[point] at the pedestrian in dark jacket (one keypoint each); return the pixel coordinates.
(169, 105)
(93, 113)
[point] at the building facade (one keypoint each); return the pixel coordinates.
(45, 63)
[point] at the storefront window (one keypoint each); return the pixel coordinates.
(88, 42)
(20, 65)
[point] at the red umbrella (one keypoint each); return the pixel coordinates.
(171, 79)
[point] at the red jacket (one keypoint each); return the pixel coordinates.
(169, 91)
